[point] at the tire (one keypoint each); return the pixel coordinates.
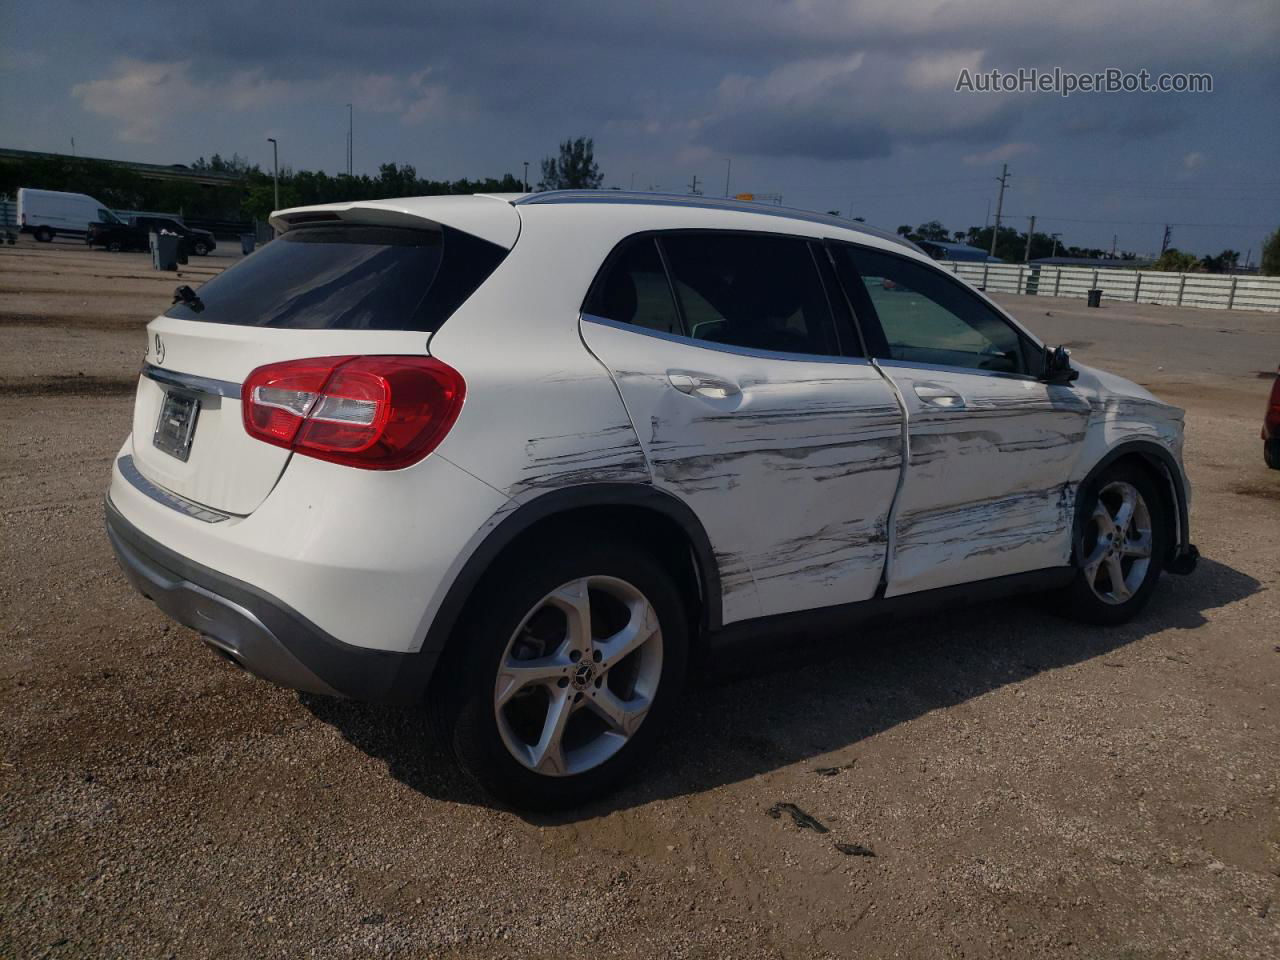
(1136, 558)
(522, 615)
(1271, 453)
(114, 246)
(200, 249)
(44, 234)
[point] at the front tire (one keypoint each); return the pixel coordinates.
(1271, 453)
(1120, 544)
(200, 248)
(114, 246)
(566, 672)
(44, 235)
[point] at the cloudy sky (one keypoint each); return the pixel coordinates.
(834, 104)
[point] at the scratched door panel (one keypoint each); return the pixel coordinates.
(792, 475)
(987, 488)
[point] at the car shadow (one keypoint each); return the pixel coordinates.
(760, 706)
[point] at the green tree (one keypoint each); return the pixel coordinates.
(933, 230)
(1174, 260)
(1222, 263)
(1271, 255)
(574, 169)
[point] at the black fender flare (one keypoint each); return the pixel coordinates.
(563, 501)
(1182, 554)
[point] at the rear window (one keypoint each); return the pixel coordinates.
(349, 277)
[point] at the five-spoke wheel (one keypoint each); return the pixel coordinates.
(1118, 543)
(571, 660)
(578, 676)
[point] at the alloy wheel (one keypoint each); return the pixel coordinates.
(1117, 543)
(578, 676)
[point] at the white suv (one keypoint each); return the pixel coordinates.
(518, 457)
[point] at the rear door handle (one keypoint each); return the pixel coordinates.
(936, 396)
(702, 384)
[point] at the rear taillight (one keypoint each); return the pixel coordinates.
(380, 413)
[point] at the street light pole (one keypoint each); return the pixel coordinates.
(526, 176)
(728, 167)
(275, 169)
(351, 140)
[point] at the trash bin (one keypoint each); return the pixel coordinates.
(247, 241)
(164, 251)
(1095, 297)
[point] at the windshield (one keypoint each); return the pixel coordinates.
(349, 277)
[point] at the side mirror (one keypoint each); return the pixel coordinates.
(1057, 366)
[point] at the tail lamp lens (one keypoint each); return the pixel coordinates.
(380, 413)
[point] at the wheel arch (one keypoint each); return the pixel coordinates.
(666, 523)
(1156, 459)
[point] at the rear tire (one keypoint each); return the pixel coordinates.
(545, 716)
(114, 246)
(200, 249)
(1120, 544)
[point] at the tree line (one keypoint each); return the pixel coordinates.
(1011, 246)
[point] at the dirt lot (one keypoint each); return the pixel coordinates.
(1019, 785)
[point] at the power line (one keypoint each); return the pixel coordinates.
(1156, 223)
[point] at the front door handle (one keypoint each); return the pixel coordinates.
(702, 384)
(935, 396)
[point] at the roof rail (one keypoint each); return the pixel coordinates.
(708, 203)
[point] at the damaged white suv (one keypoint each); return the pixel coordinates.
(517, 457)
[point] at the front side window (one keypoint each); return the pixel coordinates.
(635, 289)
(750, 290)
(929, 318)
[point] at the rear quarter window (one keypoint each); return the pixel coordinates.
(349, 277)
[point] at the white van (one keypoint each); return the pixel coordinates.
(47, 213)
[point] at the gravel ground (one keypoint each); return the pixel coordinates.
(999, 784)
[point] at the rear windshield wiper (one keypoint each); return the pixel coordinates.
(185, 294)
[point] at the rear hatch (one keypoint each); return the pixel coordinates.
(330, 287)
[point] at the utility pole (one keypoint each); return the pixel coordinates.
(73, 146)
(1055, 244)
(526, 176)
(1004, 176)
(633, 181)
(693, 187)
(275, 169)
(351, 140)
(1114, 241)
(1026, 256)
(728, 167)
(1164, 244)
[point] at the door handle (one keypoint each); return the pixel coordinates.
(702, 384)
(941, 397)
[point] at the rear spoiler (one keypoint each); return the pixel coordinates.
(488, 218)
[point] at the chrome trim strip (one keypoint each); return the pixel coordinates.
(709, 203)
(164, 497)
(947, 368)
(722, 347)
(192, 382)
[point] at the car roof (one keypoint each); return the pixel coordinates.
(705, 203)
(496, 216)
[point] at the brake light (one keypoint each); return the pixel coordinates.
(380, 413)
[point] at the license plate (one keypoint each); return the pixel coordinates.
(177, 424)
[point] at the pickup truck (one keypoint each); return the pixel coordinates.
(134, 234)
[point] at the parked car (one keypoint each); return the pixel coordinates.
(517, 458)
(135, 234)
(1271, 426)
(51, 213)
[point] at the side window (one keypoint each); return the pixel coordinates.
(755, 291)
(929, 318)
(635, 290)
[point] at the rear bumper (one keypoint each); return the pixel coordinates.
(260, 633)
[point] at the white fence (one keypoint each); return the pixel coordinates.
(1210, 290)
